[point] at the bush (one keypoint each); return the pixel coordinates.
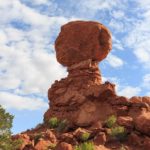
(52, 146)
(85, 146)
(116, 131)
(85, 136)
(6, 142)
(63, 125)
(119, 132)
(53, 122)
(110, 122)
(37, 137)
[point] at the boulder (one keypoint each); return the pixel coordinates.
(100, 139)
(82, 40)
(142, 123)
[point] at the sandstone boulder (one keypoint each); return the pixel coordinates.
(100, 139)
(142, 123)
(82, 40)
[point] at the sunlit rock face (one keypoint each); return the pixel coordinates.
(82, 40)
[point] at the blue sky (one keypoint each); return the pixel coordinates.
(28, 65)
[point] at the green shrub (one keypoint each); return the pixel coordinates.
(110, 122)
(85, 146)
(37, 137)
(119, 132)
(52, 146)
(85, 136)
(77, 148)
(62, 126)
(53, 122)
(6, 142)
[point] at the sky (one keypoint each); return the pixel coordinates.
(28, 64)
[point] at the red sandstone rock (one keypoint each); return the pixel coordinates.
(79, 132)
(119, 100)
(68, 138)
(125, 121)
(101, 147)
(142, 123)
(136, 99)
(42, 144)
(146, 144)
(134, 139)
(64, 146)
(82, 40)
(25, 140)
(146, 99)
(140, 142)
(100, 139)
(49, 135)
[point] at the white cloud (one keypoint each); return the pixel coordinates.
(12, 101)
(27, 60)
(139, 35)
(117, 44)
(117, 26)
(114, 61)
(99, 4)
(33, 72)
(40, 2)
(146, 81)
(145, 4)
(129, 91)
(118, 14)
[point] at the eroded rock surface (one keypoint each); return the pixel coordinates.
(85, 101)
(82, 40)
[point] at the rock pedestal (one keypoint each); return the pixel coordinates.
(79, 46)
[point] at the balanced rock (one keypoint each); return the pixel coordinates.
(80, 46)
(82, 40)
(83, 104)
